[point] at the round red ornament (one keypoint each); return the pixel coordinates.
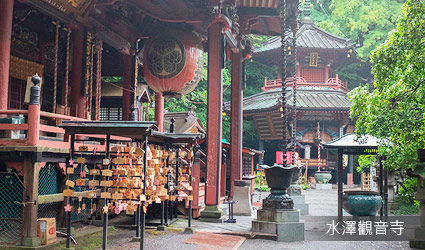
(173, 62)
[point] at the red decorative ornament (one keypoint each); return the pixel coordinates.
(173, 62)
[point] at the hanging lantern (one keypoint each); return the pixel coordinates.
(173, 62)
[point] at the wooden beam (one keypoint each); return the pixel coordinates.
(271, 125)
(51, 198)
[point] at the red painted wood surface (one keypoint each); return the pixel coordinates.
(214, 110)
(6, 7)
(196, 177)
(33, 124)
(77, 100)
(159, 111)
(173, 62)
(236, 121)
(127, 86)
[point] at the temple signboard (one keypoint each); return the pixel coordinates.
(78, 7)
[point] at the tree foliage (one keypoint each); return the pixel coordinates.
(366, 22)
(395, 108)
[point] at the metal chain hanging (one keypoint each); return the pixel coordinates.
(55, 77)
(294, 93)
(98, 79)
(136, 74)
(90, 106)
(68, 40)
(283, 28)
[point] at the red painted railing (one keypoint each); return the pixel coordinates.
(43, 133)
(334, 83)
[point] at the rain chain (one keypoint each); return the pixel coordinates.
(68, 39)
(98, 79)
(283, 26)
(55, 77)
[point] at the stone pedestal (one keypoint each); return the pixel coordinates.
(31, 241)
(242, 194)
(294, 192)
(212, 214)
(284, 223)
(320, 186)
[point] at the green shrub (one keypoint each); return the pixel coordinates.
(264, 189)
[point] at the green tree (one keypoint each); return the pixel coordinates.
(366, 22)
(394, 110)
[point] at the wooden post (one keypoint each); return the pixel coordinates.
(77, 100)
(6, 7)
(326, 73)
(196, 175)
(30, 206)
(159, 111)
(127, 85)
(340, 185)
(214, 121)
(298, 70)
(34, 113)
(236, 127)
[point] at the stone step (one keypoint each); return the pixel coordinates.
(304, 208)
(298, 199)
(287, 232)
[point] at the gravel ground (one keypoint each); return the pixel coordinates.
(121, 240)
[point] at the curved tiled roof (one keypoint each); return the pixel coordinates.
(315, 98)
(310, 36)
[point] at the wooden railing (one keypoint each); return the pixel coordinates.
(334, 83)
(47, 133)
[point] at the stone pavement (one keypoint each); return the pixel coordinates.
(322, 203)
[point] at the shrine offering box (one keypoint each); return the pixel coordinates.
(46, 230)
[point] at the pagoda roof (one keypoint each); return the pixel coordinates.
(314, 98)
(184, 122)
(310, 36)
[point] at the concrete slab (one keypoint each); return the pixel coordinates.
(298, 199)
(242, 194)
(278, 215)
(320, 186)
(267, 227)
(303, 207)
(286, 232)
(290, 232)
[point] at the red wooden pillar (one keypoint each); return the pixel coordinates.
(127, 85)
(236, 121)
(33, 124)
(77, 99)
(196, 175)
(298, 70)
(6, 7)
(326, 73)
(214, 121)
(31, 167)
(159, 111)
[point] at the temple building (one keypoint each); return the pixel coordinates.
(93, 60)
(321, 96)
